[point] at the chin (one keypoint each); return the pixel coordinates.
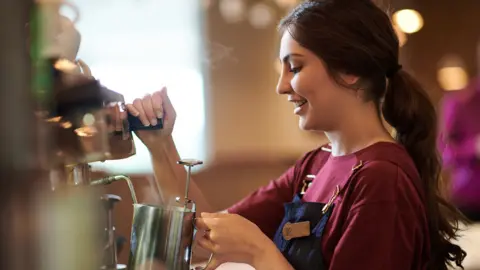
(304, 124)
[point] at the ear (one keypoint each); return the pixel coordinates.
(353, 81)
(349, 79)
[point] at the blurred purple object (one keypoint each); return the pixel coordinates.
(459, 136)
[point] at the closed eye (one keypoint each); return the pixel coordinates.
(295, 69)
(290, 60)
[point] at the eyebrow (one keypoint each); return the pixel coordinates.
(287, 57)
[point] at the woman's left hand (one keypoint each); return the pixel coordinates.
(231, 238)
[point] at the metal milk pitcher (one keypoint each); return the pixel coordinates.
(162, 236)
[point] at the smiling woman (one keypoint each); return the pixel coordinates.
(135, 48)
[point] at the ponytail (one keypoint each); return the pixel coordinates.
(408, 109)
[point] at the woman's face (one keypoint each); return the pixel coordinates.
(318, 100)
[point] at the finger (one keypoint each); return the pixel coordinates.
(131, 109)
(157, 103)
(148, 107)
(213, 215)
(168, 108)
(209, 223)
(138, 104)
(201, 225)
(207, 244)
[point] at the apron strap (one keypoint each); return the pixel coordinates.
(303, 177)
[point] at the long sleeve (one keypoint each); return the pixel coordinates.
(382, 228)
(264, 207)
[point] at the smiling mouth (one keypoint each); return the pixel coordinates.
(300, 103)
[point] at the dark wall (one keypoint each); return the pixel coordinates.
(450, 27)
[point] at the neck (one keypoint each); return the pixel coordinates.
(356, 134)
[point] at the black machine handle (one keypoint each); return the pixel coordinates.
(135, 124)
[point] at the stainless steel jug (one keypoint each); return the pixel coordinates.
(161, 238)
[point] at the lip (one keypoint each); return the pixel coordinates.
(297, 101)
(299, 110)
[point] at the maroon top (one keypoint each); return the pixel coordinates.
(379, 220)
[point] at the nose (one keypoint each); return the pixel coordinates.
(283, 84)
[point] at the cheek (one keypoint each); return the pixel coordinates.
(296, 82)
(315, 89)
(304, 85)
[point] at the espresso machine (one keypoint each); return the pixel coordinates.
(86, 120)
(87, 123)
(88, 127)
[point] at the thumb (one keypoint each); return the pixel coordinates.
(212, 215)
(167, 103)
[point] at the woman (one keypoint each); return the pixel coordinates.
(371, 201)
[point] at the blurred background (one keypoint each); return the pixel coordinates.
(219, 60)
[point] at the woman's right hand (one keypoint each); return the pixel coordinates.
(148, 109)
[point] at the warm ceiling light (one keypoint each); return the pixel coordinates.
(452, 78)
(408, 20)
(260, 16)
(232, 11)
(451, 74)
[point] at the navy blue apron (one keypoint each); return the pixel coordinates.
(305, 252)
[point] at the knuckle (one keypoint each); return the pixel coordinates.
(213, 236)
(137, 102)
(216, 248)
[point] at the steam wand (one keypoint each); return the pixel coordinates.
(110, 179)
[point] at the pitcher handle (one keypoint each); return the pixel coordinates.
(196, 230)
(205, 267)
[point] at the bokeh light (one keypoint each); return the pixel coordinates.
(408, 20)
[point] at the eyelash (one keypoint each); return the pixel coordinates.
(295, 69)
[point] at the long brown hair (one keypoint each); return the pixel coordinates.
(357, 37)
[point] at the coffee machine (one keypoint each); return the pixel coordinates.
(85, 119)
(86, 122)
(89, 123)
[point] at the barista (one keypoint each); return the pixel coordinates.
(369, 201)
